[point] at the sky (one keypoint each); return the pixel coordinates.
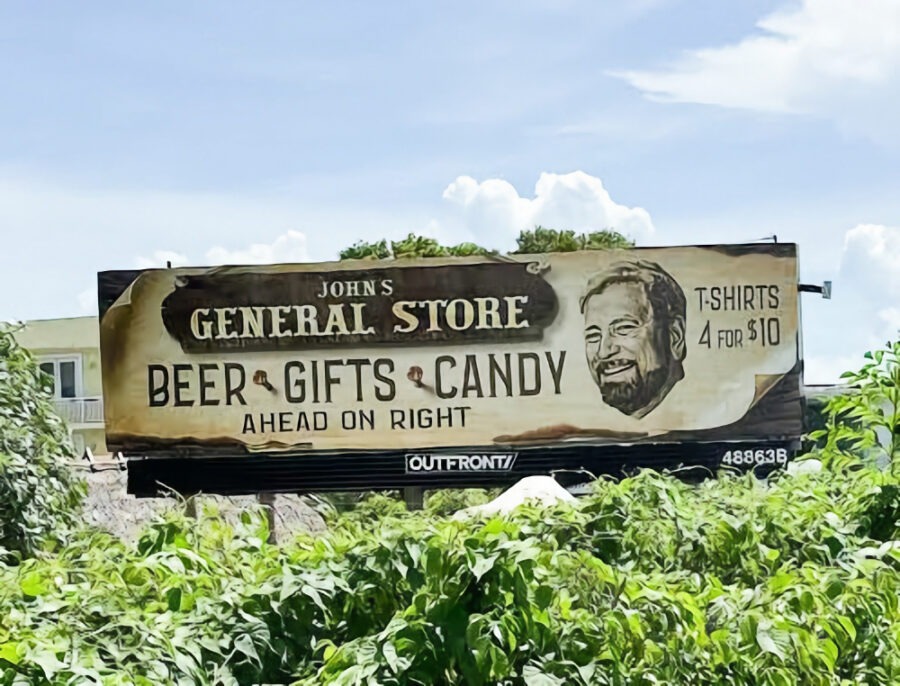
(238, 132)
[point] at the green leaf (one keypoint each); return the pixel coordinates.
(10, 652)
(493, 526)
(434, 562)
(33, 584)
(173, 598)
(766, 642)
(49, 663)
(586, 672)
(847, 625)
(781, 581)
(329, 652)
(807, 601)
(829, 653)
(544, 596)
(535, 677)
(390, 656)
(244, 644)
(483, 564)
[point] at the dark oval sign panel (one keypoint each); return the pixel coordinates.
(242, 311)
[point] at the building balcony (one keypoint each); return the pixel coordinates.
(80, 411)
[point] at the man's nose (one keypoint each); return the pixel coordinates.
(609, 346)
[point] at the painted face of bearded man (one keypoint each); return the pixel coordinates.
(634, 324)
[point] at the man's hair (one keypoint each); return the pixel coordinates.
(663, 292)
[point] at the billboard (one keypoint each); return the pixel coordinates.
(621, 347)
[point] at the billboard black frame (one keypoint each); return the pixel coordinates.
(233, 475)
(228, 470)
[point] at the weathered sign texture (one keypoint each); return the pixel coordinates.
(651, 344)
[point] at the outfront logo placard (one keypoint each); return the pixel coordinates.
(481, 462)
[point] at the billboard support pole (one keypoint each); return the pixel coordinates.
(414, 496)
(267, 500)
(190, 506)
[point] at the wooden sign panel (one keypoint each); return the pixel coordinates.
(649, 345)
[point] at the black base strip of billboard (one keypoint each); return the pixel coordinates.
(570, 465)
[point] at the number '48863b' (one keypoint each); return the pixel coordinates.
(757, 456)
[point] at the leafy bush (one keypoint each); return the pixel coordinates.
(543, 240)
(370, 507)
(865, 421)
(447, 501)
(39, 493)
(410, 247)
(534, 241)
(647, 580)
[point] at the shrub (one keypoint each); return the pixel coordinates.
(864, 423)
(39, 493)
(532, 241)
(645, 581)
(447, 501)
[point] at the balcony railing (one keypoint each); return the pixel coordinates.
(80, 410)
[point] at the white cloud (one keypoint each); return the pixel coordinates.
(87, 301)
(890, 316)
(288, 247)
(863, 313)
(871, 259)
(160, 258)
(834, 58)
(827, 369)
(576, 201)
(59, 226)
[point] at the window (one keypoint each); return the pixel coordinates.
(66, 374)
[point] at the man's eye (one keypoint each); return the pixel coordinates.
(592, 338)
(625, 329)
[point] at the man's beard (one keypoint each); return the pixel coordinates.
(637, 391)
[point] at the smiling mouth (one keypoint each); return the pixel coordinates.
(617, 367)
